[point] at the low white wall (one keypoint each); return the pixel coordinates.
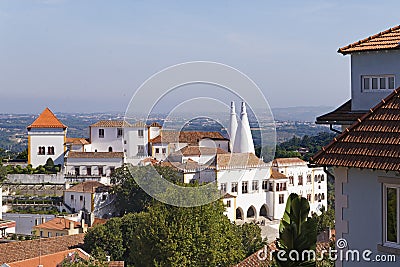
(36, 178)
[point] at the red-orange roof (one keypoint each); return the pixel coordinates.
(278, 162)
(47, 120)
(190, 137)
(389, 39)
(373, 142)
(88, 186)
(58, 224)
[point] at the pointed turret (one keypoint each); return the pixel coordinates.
(232, 126)
(243, 139)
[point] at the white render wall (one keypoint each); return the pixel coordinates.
(77, 203)
(47, 137)
(110, 139)
(223, 144)
(94, 163)
(133, 140)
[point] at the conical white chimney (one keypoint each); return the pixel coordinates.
(243, 139)
(232, 126)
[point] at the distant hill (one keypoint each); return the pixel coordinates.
(300, 113)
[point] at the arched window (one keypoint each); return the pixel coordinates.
(110, 149)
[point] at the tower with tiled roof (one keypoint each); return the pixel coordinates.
(46, 139)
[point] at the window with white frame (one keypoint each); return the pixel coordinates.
(120, 132)
(234, 187)
(264, 185)
(391, 214)
(254, 186)
(377, 82)
(223, 187)
(140, 149)
(101, 133)
(245, 187)
(140, 133)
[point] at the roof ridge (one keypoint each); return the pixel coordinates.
(47, 119)
(357, 123)
(369, 38)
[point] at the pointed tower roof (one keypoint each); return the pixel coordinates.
(47, 120)
(243, 139)
(232, 126)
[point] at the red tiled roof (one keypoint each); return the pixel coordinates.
(190, 137)
(277, 175)
(58, 224)
(198, 151)
(88, 186)
(50, 260)
(22, 250)
(47, 120)
(373, 142)
(95, 155)
(341, 115)
(77, 141)
(278, 162)
(231, 160)
(111, 123)
(389, 39)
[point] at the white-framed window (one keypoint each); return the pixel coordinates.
(281, 198)
(101, 133)
(120, 132)
(164, 150)
(254, 185)
(140, 133)
(245, 187)
(228, 203)
(234, 187)
(223, 187)
(391, 226)
(264, 185)
(373, 83)
(140, 149)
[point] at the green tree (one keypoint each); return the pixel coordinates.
(297, 233)
(3, 173)
(251, 238)
(23, 155)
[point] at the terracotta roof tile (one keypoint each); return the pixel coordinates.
(77, 141)
(190, 137)
(277, 175)
(47, 120)
(232, 160)
(50, 260)
(95, 155)
(341, 115)
(57, 224)
(22, 250)
(88, 186)
(111, 123)
(287, 161)
(389, 39)
(198, 151)
(372, 142)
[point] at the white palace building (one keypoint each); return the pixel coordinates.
(252, 189)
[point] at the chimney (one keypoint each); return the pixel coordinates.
(71, 225)
(82, 223)
(232, 126)
(243, 139)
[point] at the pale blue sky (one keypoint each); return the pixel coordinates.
(87, 56)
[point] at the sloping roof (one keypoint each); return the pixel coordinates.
(22, 250)
(95, 155)
(198, 151)
(155, 124)
(77, 141)
(190, 137)
(372, 142)
(111, 123)
(57, 224)
(88, 186)
(389, 39)
(50, 260)
(139, 124)
(277, 175)
(238, 160)
(47, 120)
(341, 115)
(278, 162)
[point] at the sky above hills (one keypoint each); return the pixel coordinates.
(91, 56)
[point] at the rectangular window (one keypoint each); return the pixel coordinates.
(112, 170)
(101, 133)
(270, 187)
(377, 82)
(76, 171)
(223, 187)
(104, 197)
(140, 133)
(88, 171)
(41, 234)
(291, 180)
(309, 197)
(228, 203)
(264, 185)
(100, 170)
(254, 186)
(80, 198)
(120, 132)
(245, 189)
(157, 150)
(72, 197)
(281, 198)
(308, 178)
(164, 150)
(300, 180)
(391, 207)
(234, 187)
(140, 149)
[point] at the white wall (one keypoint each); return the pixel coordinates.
(77, 203)
(223, 144)
(46, 137)
(94, 163)
(110, 139)
(133, 140)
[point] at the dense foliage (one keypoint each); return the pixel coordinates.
(48, 168)
(166, 235)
